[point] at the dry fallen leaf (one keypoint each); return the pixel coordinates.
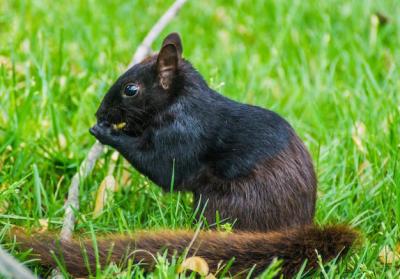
(364, 172)
(126, 175)
(210, 276)
(358, 136)
(196, 264)
(388, 256)
(62, 141)
(44, 225)
(3, 205)
(6, 62)
(108, 184)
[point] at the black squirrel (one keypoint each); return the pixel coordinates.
(242, 161)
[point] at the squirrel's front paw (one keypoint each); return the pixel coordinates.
(104, 132)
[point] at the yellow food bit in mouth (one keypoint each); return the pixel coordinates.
(119, 126)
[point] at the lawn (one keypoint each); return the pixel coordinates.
(329, 67)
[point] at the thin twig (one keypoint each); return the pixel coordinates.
(72, 203)
(11, 268)
(145, 47)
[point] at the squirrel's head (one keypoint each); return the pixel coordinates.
(144, 90)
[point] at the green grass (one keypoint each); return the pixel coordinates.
(323, 65)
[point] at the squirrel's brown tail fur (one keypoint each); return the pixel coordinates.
(249, 249)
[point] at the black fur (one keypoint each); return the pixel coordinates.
(204, 136)
(204, 129)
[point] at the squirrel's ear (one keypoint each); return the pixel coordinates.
(175, 39)
(167, 64)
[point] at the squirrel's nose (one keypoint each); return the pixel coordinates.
(92, 130)
(103, 124)
(98, 127)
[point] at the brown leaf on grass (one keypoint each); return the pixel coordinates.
(44, 225)
(126, 174)
(108, 184)
(62, 141)
(358, 135)
(3, 206)
(6, 62)
(388, 256)
(196, 264)
(364, 172)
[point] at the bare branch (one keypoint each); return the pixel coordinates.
(72, 203)
(145, 47)
(11, 268)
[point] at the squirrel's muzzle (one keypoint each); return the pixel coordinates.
(98, 128)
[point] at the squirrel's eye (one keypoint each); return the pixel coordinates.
(131, 89)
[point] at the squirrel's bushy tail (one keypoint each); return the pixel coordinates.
(249, 249)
